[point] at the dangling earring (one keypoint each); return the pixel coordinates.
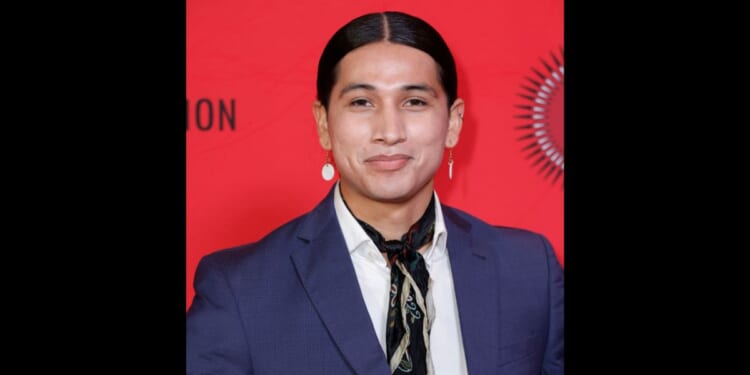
(450, 153)
(450, 164)
(328, 168)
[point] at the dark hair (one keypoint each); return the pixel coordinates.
(395, 27)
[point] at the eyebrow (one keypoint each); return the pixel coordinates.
(356, 86)
(369, 87)
(426, 88)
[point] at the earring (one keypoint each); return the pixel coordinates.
(450, 164)
(328, 168)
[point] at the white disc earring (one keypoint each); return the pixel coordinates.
(327, 168)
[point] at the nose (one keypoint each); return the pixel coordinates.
(390, 128)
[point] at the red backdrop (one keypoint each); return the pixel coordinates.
(253, 158)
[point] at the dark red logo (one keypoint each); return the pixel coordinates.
(542, 118)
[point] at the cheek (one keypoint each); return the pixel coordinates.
(346, 138)
(432, 132)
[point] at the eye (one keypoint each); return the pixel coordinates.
(415, 102)
(360, 102)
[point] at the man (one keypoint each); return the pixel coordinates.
(380, 278)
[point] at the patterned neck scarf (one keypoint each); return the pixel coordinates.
(408, 326)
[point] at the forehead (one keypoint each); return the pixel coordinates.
(384, 64)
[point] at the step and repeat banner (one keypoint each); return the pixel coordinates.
(253, 157)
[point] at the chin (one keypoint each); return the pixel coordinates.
(394, 192)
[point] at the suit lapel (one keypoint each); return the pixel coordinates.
(476, 295)
(325, 269)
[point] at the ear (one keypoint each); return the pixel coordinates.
(321, 119)
(455, 121)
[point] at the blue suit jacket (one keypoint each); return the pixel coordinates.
(290, 303)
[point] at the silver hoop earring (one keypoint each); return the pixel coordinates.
(450, 164)
(327, 168)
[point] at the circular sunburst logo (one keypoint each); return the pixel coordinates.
(542, 115)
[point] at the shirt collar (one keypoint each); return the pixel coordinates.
(355, 236)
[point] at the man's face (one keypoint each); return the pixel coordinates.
(388, 122)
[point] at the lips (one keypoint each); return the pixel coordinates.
(387, 162)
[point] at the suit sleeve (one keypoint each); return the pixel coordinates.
(553, 355)
(215, 339)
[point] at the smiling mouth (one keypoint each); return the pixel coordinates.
(387, 162)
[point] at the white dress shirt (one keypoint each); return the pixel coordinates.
(374, 277)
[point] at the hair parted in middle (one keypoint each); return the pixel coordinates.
(394, 27)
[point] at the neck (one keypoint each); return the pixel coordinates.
(391, 218)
